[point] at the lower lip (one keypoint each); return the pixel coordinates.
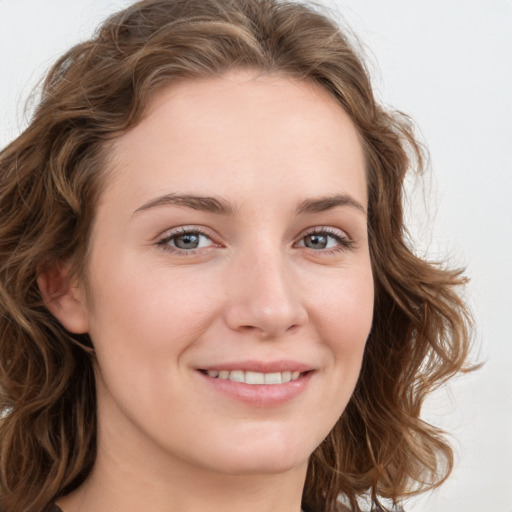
(260, 395)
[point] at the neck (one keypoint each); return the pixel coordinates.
(188, 493)
(128, 478)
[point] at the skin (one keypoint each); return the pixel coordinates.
(258, 288)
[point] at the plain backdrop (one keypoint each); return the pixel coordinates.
(447, 63)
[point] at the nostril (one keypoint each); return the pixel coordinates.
(247, 328)
(293, 328)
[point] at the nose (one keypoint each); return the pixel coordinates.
(263, 296)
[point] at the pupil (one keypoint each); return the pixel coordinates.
(316, 241)
(190, 241)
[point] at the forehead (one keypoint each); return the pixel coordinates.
(242, 128)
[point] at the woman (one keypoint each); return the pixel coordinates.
(208, 297)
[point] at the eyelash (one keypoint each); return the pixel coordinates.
(344, 243)
(182, 231)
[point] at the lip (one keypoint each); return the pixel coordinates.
(261, 366)
(259, 395)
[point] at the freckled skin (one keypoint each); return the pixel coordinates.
(254, 289)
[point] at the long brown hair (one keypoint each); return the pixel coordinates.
(50, 178)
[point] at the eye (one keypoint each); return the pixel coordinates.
(321, 239)
(186, 240)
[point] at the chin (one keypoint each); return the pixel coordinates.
(268, 454)
(263, 465)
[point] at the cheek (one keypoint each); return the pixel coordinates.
(344, 323)
(343, 314)
(344, 309)
(146, 314)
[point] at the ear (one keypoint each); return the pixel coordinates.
(64, 297)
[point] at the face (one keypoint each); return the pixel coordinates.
(229, 288)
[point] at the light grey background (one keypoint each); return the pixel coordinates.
(448, 64)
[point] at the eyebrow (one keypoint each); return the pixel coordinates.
(201, 203)
(220, 206)
(323, 204)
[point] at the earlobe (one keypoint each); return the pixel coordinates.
(64, 297)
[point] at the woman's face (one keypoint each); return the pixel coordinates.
(230, 292)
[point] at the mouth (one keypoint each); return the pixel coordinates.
(254, 378)
(259, 384)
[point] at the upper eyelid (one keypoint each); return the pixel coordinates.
(164, 238)
(203, 230)
(215, 239)
(185, 229)
(330, 230)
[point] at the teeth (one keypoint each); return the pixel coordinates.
(237, 376)
(273, 378)
(254, 377)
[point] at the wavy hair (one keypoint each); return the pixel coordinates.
(50, 180)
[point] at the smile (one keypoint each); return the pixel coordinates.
(249, 377)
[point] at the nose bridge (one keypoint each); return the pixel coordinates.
(264, 296)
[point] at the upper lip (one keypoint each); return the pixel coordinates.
(260, 366)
